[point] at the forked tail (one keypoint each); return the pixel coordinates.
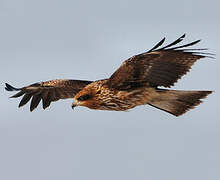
(178, 102)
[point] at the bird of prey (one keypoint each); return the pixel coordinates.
(138, 81)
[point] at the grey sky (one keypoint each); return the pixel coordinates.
(49, 39)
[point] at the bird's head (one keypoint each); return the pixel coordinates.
(90, 96)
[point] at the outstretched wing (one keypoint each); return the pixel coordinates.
(47, 91)
(158, 67)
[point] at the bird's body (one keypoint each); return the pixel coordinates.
(104, 98)
(136, 82)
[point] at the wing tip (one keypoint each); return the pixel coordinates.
(9, 87)
(32, 109)
(170, 46)
(184, 35)
(157, 45)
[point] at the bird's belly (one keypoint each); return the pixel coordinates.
(124, 100)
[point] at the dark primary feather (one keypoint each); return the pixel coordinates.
(173, 43)
(8, 87)
(157, 67)
(157, 45)
(48, 91)
(186, 45)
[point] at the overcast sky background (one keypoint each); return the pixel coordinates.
(49, 39)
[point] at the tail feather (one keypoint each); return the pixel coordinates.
(178, 102)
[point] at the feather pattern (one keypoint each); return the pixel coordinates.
(136, 82)
(48, 91)
(157, 67)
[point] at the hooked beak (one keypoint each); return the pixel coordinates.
(74, 104)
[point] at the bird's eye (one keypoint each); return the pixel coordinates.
(84, 97)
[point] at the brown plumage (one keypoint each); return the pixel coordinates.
(48, 91)
(135, 83)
